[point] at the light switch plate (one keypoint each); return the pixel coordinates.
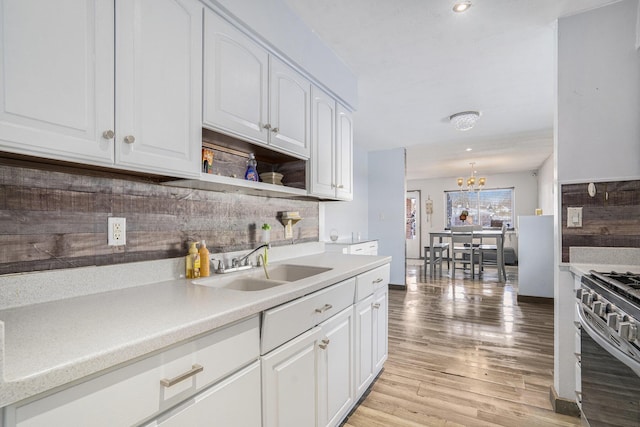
(574, 217)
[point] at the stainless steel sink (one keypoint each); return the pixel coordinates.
(255, 279)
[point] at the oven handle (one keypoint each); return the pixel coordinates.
(615, 352)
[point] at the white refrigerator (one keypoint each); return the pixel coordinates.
(535, 256)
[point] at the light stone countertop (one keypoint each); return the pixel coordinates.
(51, 344)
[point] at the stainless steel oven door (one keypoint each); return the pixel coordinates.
(610, 378)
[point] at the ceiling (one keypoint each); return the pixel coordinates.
(418, 62)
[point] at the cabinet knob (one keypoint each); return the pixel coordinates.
(108, 134)
(267, 126)
(324, 343)
(340, 186)
(376, 305)
(275, 130)
(129, 139)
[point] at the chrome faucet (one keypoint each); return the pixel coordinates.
(237, 262)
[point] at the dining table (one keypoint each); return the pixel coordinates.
(493, 233)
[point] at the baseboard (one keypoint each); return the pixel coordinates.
(563, 406)
(398, 287)
(535, 300)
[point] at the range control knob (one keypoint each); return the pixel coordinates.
(579, 293)
(587, 298)
(612, 320)
(624, 329)
(597, 308)
(633, 332)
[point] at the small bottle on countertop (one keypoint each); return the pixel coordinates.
(251, 173)
(192, 262)
(204, 260)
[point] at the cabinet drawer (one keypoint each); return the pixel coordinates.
(367, 283)
(133, 393)
(366, 248)
(282, 323)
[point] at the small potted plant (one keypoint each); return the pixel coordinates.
(463, 215)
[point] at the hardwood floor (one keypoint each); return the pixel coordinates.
(464, 353)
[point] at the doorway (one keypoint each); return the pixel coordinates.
(413, 234)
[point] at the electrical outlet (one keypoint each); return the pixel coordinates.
(116, 231)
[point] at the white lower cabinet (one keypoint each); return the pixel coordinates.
(136, 393)
(309, 380)
(234, 402)
(336, 368)
(290, 382)
(371, 331)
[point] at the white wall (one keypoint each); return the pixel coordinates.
(348, 217)
(546, 193)
(387, 207)
(275, 23)
(597, 133)
(598, 87)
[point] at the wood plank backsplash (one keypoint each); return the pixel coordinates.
(611, 218)
(56, 217)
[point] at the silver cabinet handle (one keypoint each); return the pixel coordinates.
(324, 343)
(108, 134)
(376, 305)
(168, 382)
(378, 280)
(340, 186)
(129, 139)
(324, 308)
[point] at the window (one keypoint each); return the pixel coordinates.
(490, 208)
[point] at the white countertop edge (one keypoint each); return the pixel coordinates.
(111, 356)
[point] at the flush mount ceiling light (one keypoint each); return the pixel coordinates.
(465, 120)
(461, 6)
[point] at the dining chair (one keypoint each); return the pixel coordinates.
(438, 256)
(485, 249)
(462, 244)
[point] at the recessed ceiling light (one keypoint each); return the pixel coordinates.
(469, 149)
(461, 6)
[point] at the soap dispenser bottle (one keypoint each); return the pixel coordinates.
(192, 262)
(204, 260)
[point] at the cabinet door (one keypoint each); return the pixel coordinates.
(289, 109)
(235, 81)
(56, 79)
(364, 345)
(322, 173)
(336, 368)
(344, 154)
(234, 402)
(380, 329)
(158, 85)
(289, 382)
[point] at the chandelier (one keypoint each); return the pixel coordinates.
(465, 120)
(472, 183)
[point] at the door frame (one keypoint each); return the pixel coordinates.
(418, 220)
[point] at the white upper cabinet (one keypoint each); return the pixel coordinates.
(56, 79)
(331, 166)
(235, 81)
(344, 154)
(289, 109)
(158, 85)
(250, 94)
(59, 98)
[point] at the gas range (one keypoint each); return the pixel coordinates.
(612, 300)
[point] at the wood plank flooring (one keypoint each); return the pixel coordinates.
(464, 353)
